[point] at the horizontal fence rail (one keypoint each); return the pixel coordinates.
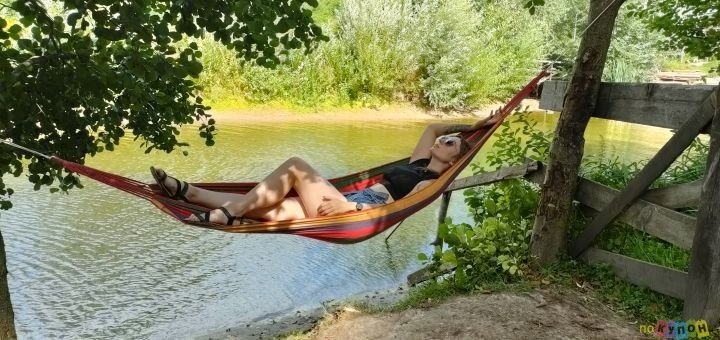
(661, 279)
(661, 105)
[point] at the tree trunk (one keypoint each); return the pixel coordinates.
(7, 318)
(558, 189)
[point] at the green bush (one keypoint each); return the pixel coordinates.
(377, 36)
(497, 246)
(440, 54)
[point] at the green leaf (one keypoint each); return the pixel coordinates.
(73, 18)
(449, 257)
(491, 249)
(27, 20)
(15, 30)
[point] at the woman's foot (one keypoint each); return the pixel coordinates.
(171, 186)
(217, 216)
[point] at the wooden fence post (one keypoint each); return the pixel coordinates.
(702, 297)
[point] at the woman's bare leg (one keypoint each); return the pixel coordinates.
(268, 196)
(290, 208)
(295, 174)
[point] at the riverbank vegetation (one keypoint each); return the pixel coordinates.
(447, 55)
(492, 254)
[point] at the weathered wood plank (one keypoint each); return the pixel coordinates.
(424, 274)
(662, 105)
(686, 195)
(655, 167)
(537, 176)
(661, 279)
(666, 224)
(492, 177)
(703, 290)
(481, 179)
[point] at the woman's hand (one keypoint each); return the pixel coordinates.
(334, 206)
(491, 120)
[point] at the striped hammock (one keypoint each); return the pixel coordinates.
(346, 228)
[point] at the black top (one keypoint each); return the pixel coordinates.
(400, 180)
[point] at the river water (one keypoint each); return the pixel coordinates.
(99, 263)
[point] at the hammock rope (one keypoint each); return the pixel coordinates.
(346, 228)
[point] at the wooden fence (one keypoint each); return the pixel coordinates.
(689, 110)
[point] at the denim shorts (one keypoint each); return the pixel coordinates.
(368, 196)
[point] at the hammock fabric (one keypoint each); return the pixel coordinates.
(346, 228)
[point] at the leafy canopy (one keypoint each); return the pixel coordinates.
(692, 25)
(74, 84)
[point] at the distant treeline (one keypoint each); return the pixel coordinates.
(449, 55)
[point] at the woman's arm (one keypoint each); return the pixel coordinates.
(435, 130)
(333, 206)
(420, 186)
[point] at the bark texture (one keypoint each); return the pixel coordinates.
(7, 318)
(554, 211)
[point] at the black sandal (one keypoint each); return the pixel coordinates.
(205, 217)
(180, 189)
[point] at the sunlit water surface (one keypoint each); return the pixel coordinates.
(99, 263)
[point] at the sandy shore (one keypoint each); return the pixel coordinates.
(396, 112)
(549, 312)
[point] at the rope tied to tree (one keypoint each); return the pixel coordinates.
(599, 15)
(36, 153)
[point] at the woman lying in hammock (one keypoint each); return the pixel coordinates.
(434, 153)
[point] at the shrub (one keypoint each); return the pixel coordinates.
(442, 54)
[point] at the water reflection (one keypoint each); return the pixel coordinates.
(99, 263)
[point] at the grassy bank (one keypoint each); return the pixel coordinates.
(428, 53)
(441, 55)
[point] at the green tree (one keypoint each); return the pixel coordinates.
(74, 84)
(634, 53)
(689, 25)
(555, 206)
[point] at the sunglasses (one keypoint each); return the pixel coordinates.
(447, 140)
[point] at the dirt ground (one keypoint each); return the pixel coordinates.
(537, 315)
(557, 313)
